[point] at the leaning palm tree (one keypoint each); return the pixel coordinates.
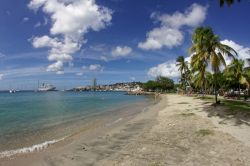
(208, 50)
(183, 68)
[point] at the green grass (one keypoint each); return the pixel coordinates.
(231, 105)
(204, 132)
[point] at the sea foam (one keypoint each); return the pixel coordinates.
(30, 149)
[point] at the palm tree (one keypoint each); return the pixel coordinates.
(183, 65)
(237, 71)
(199, 70)
(208, 50)
(183, 68)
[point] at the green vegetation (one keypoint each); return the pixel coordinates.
(204, 132)
(208, 73)
(207, 50)
(237, 74)
(160, 84)
(232, 105)
(237, 106)
(185, 72)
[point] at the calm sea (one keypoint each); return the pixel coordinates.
(30, 119)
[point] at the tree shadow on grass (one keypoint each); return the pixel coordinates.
(229, 110)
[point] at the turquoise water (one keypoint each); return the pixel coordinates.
(28, 114)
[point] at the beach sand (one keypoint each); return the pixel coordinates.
(175, 131)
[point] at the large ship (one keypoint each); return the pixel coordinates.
(46, 87)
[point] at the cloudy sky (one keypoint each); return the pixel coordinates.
(68, 42)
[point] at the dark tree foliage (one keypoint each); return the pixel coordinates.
(159, 84)
(229, 2)
(165, 83)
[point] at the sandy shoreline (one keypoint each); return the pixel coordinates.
(176, 131)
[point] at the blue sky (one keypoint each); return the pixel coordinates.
(67, 43)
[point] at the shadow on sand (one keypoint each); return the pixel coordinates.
(238, 111)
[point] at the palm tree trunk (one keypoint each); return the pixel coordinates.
(205, 89)
(239, 92)
(215, 88)
(216, 97)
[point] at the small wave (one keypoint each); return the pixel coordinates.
(116, 121)
(30, 149)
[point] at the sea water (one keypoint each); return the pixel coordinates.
(31, 120)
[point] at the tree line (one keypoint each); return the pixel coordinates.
(208, 72)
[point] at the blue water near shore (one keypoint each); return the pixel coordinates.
(29, 112)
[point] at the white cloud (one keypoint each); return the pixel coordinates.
(45, 21)
(169, 33)
(121, 51)
(45, 41)
(73, 17)
(23, 72)
(39, 24)
(25, 19)
(192, 17)
(167, 69)
(79, 74)
(60, 50)
(56, 67)
(243, 52)
(98, 47)
(160, 37)
(60, 72)
(104, 58)
(71, 20)
(93, 68)
(1, 76)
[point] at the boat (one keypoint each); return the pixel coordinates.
(46, 87)
(12, 91)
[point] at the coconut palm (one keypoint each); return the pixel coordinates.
(199, 70)
(182, 64)
(208, 50)
(237, 71)
(183, 68)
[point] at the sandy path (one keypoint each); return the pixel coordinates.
(176, 131)
(183, 137)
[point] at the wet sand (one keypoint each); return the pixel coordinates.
(175, 131)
